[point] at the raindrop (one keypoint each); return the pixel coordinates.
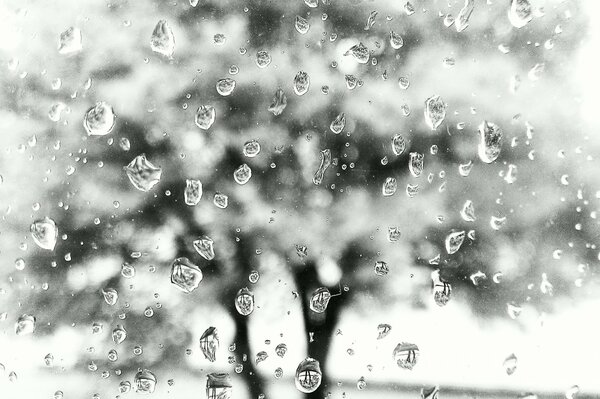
(454, 240)
(145, 381)
(308, 375)
(205, 247)
(325, 163)
(511, 174)
(462, 21)
(477, 277)
(403, 82)
(261, 357)
(338, 124)
(572, 392)
(535, 73)
(25, 325)
(301, 83)
(162, 40)
(193, 192)
(464, 169)
(441, 289)
(142, 173)
(409, 9)
(113, 356)
(370, 20)
(69, 41)
(406, 355)
(263, 59)
(520, 13)
(497, 222)
(244, 302)
(119, 334)
(319, 300)
(99, 120)
(278, 103)
(430, 393)
(359, 52)
(381, 268)
(510, 364)
(396, 40)
(311, 3)
(513, 310)
(251, 148)
(351, 81)
(435, 111)
(49, 360)
(218, 385)
(279, 373)
(225, 86)
(124, 144)
(412, 190)
(415, 164)
(185, 275)
(468, 211)
(221, 200)
(302, 25)
(209, 343)
(490, 141)
(389, 187)
(361, 383)
(56, 111)
(393, 234)
(242, 174)
(44, 233)
(398, 144)
(205, 117)
(219, 39)
(281, 349)
(383, 330)
(127, 270)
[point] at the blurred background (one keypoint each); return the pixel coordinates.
(521, 316)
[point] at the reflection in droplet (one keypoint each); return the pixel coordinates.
(435, 112)
(110, 296)
(221, 200)
(185, 275)
(219, 386)
(99, 120)
(263, 59)
(406, 355)
(338, 124)
(370, 20)
(415, 164)
(497, 222)
(490, 141)
(513, 310)
(383, 330)
(251, 148)
(301, 83)
(430, 393)
(225, 86)
(359, 52)
(44, 233)
(302, 25)
(319, 300)
(242, 174)
(142, 173)
(145, 381)
(308, 375)
(162, 40)
(205, 116)
(119, 334)
(389, 187)
(244, 302)
(261, 357)
(281, 349)
(209, 343)
(441, 289)
(381, 268)
(398, 144)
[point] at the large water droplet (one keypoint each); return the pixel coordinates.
(244, 302)
(251, 148)
(454, 240)
(381, 268)
(490, 141)
(435, 112)
(325, 162)
(462, 21)
(162, 40)
(225, 86)
(209, 343)
(359, 52)
(145, 381)
(278, 103)
(192, 192)
(69, 41)
(415, 164)
(389, 187)
(338, 124)
(99, 120)
(319, 300)
(520, 13)
(263, 59)
(406, 355)
(44, 233)
(25, 325)
(301, 83)
(308, 375)
(205, 117)
(142, 173)
(185, 275)
(205, 247)
(242, 174)
(468, 211)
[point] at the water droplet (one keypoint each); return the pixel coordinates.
(381, 268)
(510, 364)
(398, 144)
(205, 117)
(511, 174)
(99, 120)
(225, 86)
(142, 173)
(186, 275)
(430, 393)
(361, 383)
(415, 164)
(254, 276)
(301, 83)
(383, 330)
(261, 357)
(110, 296)
(19, 264)
(251, 148)
(490, 141)
(279, 373)
(338, 124)
(370, 20)
(477, 277)
(308, 375)
(205, 247)
(409, 9)
(435, 111)
(219, 39)
(389, 187)
(441, 289)
(396, 40)
(448, 20)
(325, 163)
(124, 143)
(58, 395)
(119, 334)
(209, 343)
(263, 58)
(464, 169)
(497, 222)
(56, 111)
(49, 360)
(319, 300)
(242, 174)
(278, 103)
(351, 81)
(454, 240)
(244, 302)
(513, 310)
(468, 211)
(546, 286)
(221, 200)
(520, 13)
(572, 392)
(113, 356)
(406, 355)
(69, 41)
(462, 21)
(393, 234)
(218, 385)
(536, 72)
(127, 270)
(403, 82)
(193, 192)
(281, 349)
(359, 52)
(44, 233)
(145, 381)
(25, 325)
(124, 386)
(302, 25)
(162, 40)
